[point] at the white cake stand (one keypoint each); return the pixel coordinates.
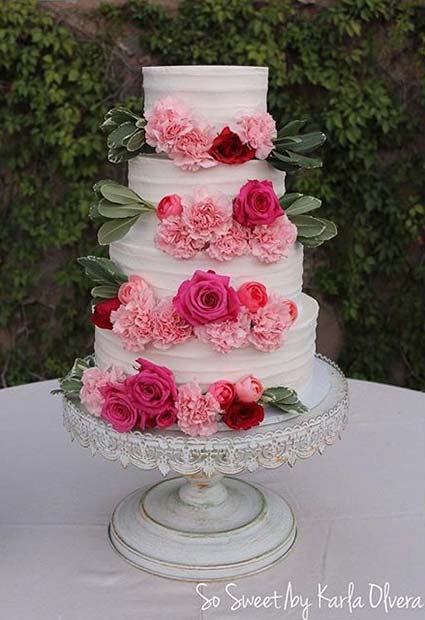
(204, 526)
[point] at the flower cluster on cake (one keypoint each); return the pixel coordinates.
(200, 319)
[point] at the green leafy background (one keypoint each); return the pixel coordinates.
(355, 68)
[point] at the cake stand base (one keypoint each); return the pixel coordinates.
(202, 528)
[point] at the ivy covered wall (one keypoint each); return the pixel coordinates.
(354, 67)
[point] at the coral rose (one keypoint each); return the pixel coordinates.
(256, 204)
(249, 389)
(224, 392)
(119, 409)
(101, 315)
(205, 298)
(228, 148)
(136, 289)
(242, 416)
(253, 295)
(169, 206)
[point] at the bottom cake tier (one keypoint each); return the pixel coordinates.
(290, 366)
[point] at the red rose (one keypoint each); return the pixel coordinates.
(102, 312)
(229, 149)
(242, 416)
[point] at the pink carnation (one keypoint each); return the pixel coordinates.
(173, 238)
(257, 131)
(230, 244)
(206, 214)
(224, 336)
(271, 322)
(93, 380)
(136, 289)
(271, 243)
(169, 327)
(190, 150)
(197, 413)
(133, 323)
(166, 122)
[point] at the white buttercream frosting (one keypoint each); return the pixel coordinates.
(216, 93)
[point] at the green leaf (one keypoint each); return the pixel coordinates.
(308, 142)
(118, 194)
(115, 230)
(308, 226)
(105, 291)
(136, 141)
(284, 399)
(330, 230)
(291, 128)
(304, 204)
(102, 270)
(116, 137)
(112, 211)
(287, 199)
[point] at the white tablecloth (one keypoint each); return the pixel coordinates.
(360, 509)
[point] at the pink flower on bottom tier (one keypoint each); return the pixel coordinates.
(232, 243)
(224, 336)
(206, 214)
(136, 289)
(173, 238)
(224, 392)
(271, 243)
(253, 295)
(119, 409)
(249, 389)
(153, 390)
(169, 206)
(205, 298)
(258, 131)
(197, 413)
(256, 204)
(166, 122)
(93, 380)
(270, 323)
(133, 324)
(169, 327)
(190, 150)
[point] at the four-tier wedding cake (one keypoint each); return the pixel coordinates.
(200, 317)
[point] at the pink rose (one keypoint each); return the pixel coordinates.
(205, 298)
(118, 408)
(224, 336)
(197, 413)
(153, 390)
(224, 392)
(166, 419)
(190, 150)
(169, 327)
(253, 295)
(249, 389)
(271, 323)
(271, 243)
(133, 323)
(166, 122)
(136, 289)
(206, 214)
(257, 131)
(169, 206)
(173, 238)
(256, 204)
(93, 380)
(232, 243)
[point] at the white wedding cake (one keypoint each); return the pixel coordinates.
(206, 253)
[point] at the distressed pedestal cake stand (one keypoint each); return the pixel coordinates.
(205, 525)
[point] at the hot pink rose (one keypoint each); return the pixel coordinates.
(169, 327)
(271, 323)
(93, 380)
(173, 238)
(166, 419)
(190, 150)
(249, 389)
(271, 243)
(224, 392)
(224, 336)
(133, 323)
(206, 214)
(166, 122)
(169, 206)
(136, 289)
(153, 390)
(256, 204)
(232, 243)
(119, 409)
(205, 298)
(257, 131)
(197, 413)
(253, 295)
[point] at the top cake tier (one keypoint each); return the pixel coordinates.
(217, 92)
